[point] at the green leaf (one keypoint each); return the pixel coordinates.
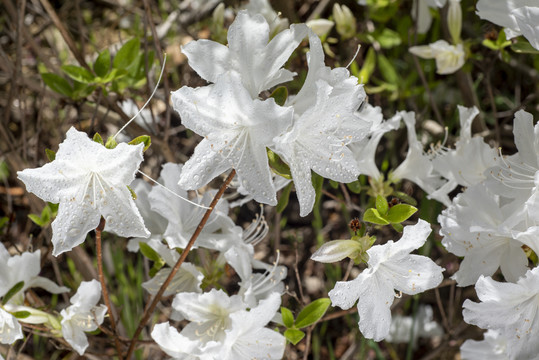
(102, 63)
(405, 197)
(11, 292)
(142, 139)
(46, 214)
(149, 252)
(368, 66)
(37, 220)
(127, 54)
(388, 38)
(51, 155)
(115, 74)
(58, 84)
(111, 143)
(283, 200)
(334, 184)
(523, 46)
(388, 71)
(397, 227)
(278, 165)
(132, 192)
(371, 215)
(294, 335)
(78, 73)
(312, 312)
(98, 139)
(381, 205)
(21, 314)
(354, 187)
(280, 95)
(288, 317)
(400, 213)
(156, 267)
(3, 221)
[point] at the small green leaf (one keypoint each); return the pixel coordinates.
(102, 63)
(111, 143)
(156, 267)
(288, 317)
(334, 184)
(368, 66)
(371, 215)
(388, 38)
(318, 184)
(11, 292)
(37, 220)
(405, 197)
(397, 227)
(294, 335)
(278, 165)
(51, 155)
(142, 139)
(98, 139)
(400, 213)
(78, 73)
(3, 221)
(46, 214)
(283, 200)
(354, 187)
(280, 95)
(523, 46)
(21, 314)
(388, 71)
(127, 54)
(381, 205)
(58, 84)
(148, 252)
(312, 312)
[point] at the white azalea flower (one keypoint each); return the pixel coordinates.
(406, 329)
(391, 267)
(473, 227)
(88, 181)
(250, 54)
(183, 218)
(248, 338)
(516, 16)
(255, 286)
(417, 167)
(424, 18)
(467, 163)
(83, 315)
(263, 7)
(527, 19)
(324, 123)
(365, 150)
(236, 130)
(510, 308)
(10, 329)
(24, 267)
(492, 347)
(516, 176)
(449, 58)
(203, 337)
(186, 279)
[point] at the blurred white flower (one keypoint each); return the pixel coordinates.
(406, 329)
(10, 329)
(492, 347)
(320, 26)
(345, 21)
(449, 58)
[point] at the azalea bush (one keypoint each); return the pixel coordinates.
(205, 180)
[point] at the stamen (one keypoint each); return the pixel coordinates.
(148, 101)
(172, 192)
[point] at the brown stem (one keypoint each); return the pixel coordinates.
(98, 231)
(150, 308)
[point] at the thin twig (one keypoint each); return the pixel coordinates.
(151, 307)
(98, 231)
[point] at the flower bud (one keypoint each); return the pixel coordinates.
(454, 20)
(345, 21)
(320, 26)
